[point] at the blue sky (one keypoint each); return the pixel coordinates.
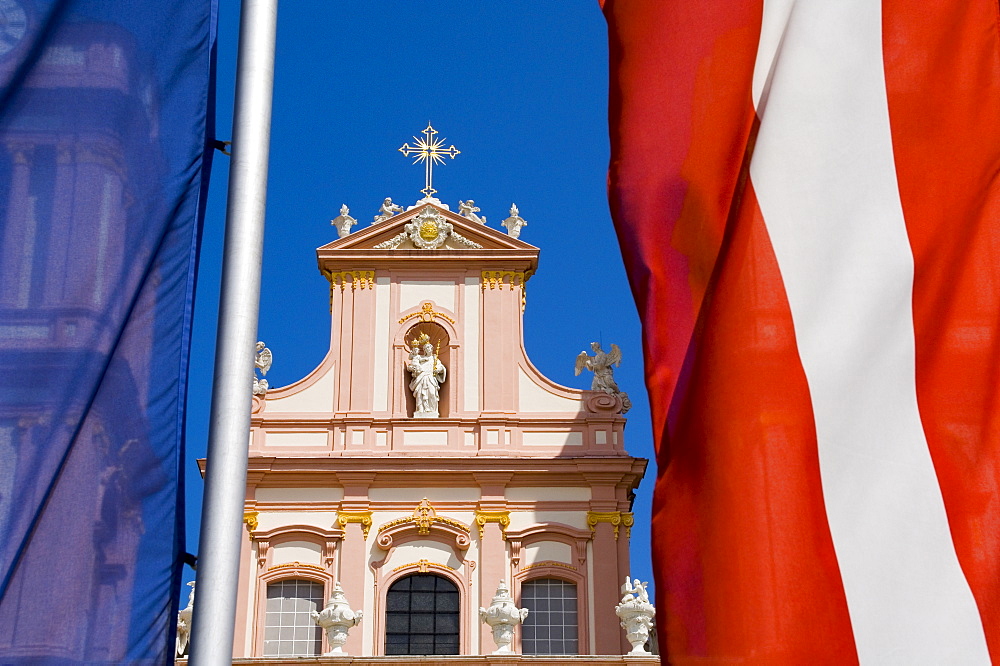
(520, 87)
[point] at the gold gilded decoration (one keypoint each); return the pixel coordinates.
(296, 565)
(359, 279)
(429, 150)
(427, 313)
(428, 230)
(549, 563)
(514, 279)
(363, 517)
(422, 566)
(500, 517)
(616, 518)
(424, 517)
(250, 519)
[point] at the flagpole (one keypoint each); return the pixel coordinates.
(229, 429)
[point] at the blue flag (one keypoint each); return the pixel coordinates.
(105, 119)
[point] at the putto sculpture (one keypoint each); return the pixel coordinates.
(514, 223)
(502, 616)
(184, 624)
(337, 619)
(636, 615)
(428, 374)
(604, 375)
(262, 363)
(468, 210)
(387, 210)
(343, 222)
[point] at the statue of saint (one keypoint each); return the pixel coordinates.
(604, 374)
(428, 374)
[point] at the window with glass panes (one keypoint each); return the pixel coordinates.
(289, 630)
(552, 623)
(422, 616)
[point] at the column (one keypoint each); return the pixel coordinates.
(355, 518)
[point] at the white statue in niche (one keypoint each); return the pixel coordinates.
(514, 223)
(468, 210)
(604, 375)
(343, 222)
(428, 374)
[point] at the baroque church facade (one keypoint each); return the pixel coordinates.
(427, 470)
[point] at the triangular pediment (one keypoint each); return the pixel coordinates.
(427, 228)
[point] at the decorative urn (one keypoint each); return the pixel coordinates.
(336, 619)
(636, 614)
(502, 616)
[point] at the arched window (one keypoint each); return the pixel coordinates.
(289, 630)
(552, 623)
(422, 615)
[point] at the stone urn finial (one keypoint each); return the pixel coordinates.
(502, 616)
(336, 619)
(636, 614)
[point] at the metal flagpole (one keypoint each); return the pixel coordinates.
(229, 431)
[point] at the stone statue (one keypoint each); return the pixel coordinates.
(262, 362)
(604, 375)
(428, 374)
(184, 624)
(502, 616)
(636, 615)
(514, 223)
(468, 210)
(343, 222)
(387, 210)
(337, 619)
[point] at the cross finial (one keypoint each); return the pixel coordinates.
(430, 151)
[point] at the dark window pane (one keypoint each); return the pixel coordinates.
(422, 616)
(422, 601)
(551, 625)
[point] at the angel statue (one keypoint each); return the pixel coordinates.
(387, 210)
(343, 222)
(428, 374)
(262, 362)
(468, 210)
(514, 223)
(604, 375)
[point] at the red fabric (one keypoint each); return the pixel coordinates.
(744, 563)
(944, 110)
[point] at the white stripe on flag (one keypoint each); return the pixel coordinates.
(825, 179)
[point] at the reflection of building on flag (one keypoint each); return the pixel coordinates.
(426, 469)
(98, 210)
(806, 200)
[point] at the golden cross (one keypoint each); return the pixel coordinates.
(430, 151)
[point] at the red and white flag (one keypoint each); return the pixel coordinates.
(807, 198)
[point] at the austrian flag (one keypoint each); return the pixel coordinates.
(806, 194)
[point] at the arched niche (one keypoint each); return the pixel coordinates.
(441, 341)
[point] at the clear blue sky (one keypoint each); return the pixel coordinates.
(520, 87)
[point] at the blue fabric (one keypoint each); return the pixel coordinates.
(105, 119)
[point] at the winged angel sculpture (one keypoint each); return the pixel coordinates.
(604, 375)
(262, 362)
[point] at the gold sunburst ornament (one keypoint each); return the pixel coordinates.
(430, 150)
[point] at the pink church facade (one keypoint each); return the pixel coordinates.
(517, 479)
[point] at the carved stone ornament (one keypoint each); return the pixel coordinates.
(502, 616)
(387, 210)
(262, 363)
(514, 223)
(337, 619)
(604, 374)
(636, 615)
(184, 624)
(428, 231)
(343, 222)
(468, 210)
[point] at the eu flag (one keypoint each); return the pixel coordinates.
(105, 115)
